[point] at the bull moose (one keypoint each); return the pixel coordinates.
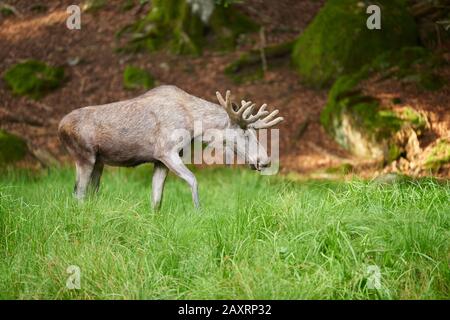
(136, 131)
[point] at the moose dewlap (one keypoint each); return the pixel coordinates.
(139, 130)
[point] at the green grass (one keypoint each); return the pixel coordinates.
(256, 237)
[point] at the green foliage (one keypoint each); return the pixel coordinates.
(338, 42)
(371, 124)
(7, 10)
(257, 237)
(33, 78)
(172, 24)
(135, 78)
(344, 86)
(412, 117)
(368, 124)
(12, 148)
(439, 155)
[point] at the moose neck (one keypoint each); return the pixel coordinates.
(210, 115)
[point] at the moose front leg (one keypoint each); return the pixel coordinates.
(84, 171)
(159, 176)
(176, 165)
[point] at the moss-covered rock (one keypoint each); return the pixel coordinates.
(185, 27)
(361, 125)
(136, 78)
(33, 78)
(7, 10)
(439, 155)
(338, 41)
(12, 148)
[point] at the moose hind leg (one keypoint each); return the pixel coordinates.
(159, 176)
(96, 175)
(176, 165)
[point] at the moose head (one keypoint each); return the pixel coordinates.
(243, 125)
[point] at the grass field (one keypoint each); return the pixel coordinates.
(255, 238)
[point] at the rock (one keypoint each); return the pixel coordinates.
(412, 147)
(439, 155)
(361, 125)
(338, 41)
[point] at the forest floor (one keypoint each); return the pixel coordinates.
(97, 78)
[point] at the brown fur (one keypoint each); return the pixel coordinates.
(136, 131)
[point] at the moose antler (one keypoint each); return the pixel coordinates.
(243, 115)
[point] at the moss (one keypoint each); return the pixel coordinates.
(338, 42)
(6, 10)
(172, 24)
(344, 87)
(394, 152)
(439, 155)
(362, 125)
(12, 148)
(343, 169)
(135, 78)
(414, 118)
(33, 78)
